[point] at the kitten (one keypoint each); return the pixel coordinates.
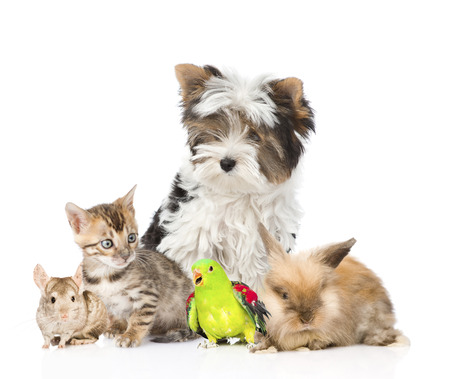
(144, 291)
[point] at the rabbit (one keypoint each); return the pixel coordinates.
(66, 313)
(324, 299)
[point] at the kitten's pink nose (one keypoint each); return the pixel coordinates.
(125, 255)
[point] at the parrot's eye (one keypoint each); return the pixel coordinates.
(210, 268)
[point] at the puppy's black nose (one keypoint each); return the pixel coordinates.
(227, 164)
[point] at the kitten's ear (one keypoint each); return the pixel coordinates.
(78, 278)
(127, 200)
(40, 277)
(332, 255)
(79, 219)
(275, 251)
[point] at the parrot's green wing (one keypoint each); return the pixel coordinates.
(192, 316)
(249, 301)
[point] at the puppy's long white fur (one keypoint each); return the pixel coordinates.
(236, 92)
(213, 224)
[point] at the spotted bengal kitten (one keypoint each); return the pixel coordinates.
(144, 291)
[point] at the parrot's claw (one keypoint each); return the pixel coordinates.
(207, 344)
(250, 345)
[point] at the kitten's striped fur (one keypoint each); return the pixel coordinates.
(144, 291)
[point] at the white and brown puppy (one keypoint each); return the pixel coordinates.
(245, 139)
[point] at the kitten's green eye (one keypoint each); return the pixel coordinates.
(132, 238)
(106, 244)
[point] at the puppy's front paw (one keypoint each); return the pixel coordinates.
(126, 340)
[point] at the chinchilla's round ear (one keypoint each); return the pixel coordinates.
(40, 277)
(79, 219)
(78, 278)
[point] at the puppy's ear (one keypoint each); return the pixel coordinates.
(127, 201)
(192, 79)
(333, 254)
(288, 95)
(79, 219)
(275, 251)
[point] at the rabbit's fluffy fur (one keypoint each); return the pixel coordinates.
(324, 299)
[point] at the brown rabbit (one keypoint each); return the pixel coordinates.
(324, 299)
(66, 313)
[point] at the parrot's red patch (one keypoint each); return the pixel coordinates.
(250, 296)
(188, 301)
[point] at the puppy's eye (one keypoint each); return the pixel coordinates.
(73, 299)
(253, 136)
(107, 244)
(132, 238)
(211, 268)
(284, 295)
(53, 300)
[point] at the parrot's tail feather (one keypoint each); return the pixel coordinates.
(175, 335)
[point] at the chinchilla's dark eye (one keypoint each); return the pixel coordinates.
(211, 268)
(73, 299)
(53, 300)
(285, 296)
(132, 238)
(107, 244)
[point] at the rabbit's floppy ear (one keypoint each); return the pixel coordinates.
(40, 277)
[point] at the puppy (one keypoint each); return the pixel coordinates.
(245, 140)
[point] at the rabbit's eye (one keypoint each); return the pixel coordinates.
(285, 296)
(73, 299)
(53, 300)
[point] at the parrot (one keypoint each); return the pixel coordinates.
(222, 309)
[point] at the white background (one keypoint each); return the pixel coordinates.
(89, 107)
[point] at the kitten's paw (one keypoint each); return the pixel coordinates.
(207, 344)
(125, 340)
(45, 346)
(113, 333)
(302, 348)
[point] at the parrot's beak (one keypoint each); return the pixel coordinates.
(198, 279)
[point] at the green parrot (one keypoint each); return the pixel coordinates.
(220, 308)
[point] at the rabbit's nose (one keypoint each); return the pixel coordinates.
(306, 318)
(64, 316)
